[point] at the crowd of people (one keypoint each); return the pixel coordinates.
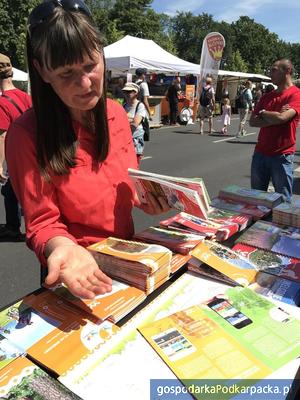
(69, 173)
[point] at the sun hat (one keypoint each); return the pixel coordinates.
(130, 86)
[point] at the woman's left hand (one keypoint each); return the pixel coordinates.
(154, 206)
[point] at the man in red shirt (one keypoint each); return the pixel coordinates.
(277, 114)
(13, 102)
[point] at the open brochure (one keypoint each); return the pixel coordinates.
(183, 194)
(237, 334)
(127, 357)
(245, 272)
(52, 331)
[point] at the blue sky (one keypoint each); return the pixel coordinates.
(279, 16)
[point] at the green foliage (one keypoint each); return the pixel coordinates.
(13, 17)
(250, 47)
(188, 33)
(236, 62)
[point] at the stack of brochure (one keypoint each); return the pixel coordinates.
(179, 241)
(145, 266)
(183, 194)
(113, 306)
(287, 214)
(253, 210)
(209, 228)
(251, 196)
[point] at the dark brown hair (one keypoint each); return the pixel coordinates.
(64, 39)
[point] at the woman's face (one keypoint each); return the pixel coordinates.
(79, 86)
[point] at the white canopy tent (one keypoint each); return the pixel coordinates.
(19, 75)
(243, 75)
(130, 53)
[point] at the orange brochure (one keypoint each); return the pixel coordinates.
(113, 306)
(74, 338)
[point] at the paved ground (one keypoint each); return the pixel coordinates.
(175, 151)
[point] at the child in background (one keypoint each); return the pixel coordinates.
(226, 114)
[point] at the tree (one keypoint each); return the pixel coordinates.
(255, 43)
(14, 14)
(235, 62)
(188, 32)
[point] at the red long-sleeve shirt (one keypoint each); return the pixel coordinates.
(94, 201)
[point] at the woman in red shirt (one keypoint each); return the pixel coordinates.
(70, 174)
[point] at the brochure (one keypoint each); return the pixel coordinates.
(144, 266)
(251, 196)
(254, 210)
(8, 353)
(244, 272)
(287, 214)
(187, 195)
(74, 338)
(127, 351)
(113, 305)
(226, 261)
(268, 236)
(208, 228)
(272, 263)
(237, 334)
(177, 241)
(24, 380)
(226, 216)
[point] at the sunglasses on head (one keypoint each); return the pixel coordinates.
(43, 11)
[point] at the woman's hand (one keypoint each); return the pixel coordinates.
(154, 206)
(75, 266)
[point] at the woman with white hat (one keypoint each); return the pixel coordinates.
(136, 111)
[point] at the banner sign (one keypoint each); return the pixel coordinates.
(211, 55)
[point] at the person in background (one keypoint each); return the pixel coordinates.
(226, 114)
(257, 96)
(71, 176)
(136, 111)
(144, 89)
(172, 97)
(13, 103)
(245, 105)
(277, 116)
(207, 105)
(117, 91)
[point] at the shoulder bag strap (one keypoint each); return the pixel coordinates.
(13, 103)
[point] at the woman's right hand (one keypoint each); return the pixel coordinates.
(76, 267)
